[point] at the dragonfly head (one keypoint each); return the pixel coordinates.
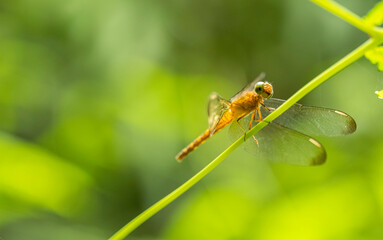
(264, 89)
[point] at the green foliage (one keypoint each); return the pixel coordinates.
(297, 215)
(97, 97)
(380, 94)
(338, 66)
(375, 16)
(219, 206)
(35, 178)
(376, 57)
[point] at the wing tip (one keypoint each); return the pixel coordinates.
(320, 158)
(213, 95)
(260, 77)
(350, 125)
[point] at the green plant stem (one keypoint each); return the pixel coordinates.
(128, 228)
(321, 78)
(346, 15)
(344, 62)
(331, 71)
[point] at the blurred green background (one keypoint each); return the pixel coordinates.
(97, 97)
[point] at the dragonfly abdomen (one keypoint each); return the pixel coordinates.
(193, 145)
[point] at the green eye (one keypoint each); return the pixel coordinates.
(259, 87)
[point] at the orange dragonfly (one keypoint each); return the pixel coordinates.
(286, 139)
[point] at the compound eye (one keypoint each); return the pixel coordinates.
(259, 87)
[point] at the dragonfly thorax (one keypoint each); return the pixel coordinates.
(245, 104)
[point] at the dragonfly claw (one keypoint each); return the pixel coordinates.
(256, 141)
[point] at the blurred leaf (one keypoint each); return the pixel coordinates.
(379, 93)
(112, 86)
(219, 214)
(37, 178)
(342, 208)
(375, 16)
(376, 57)
(336, 211)
(84, 139)
(376, 174)
(50, 228)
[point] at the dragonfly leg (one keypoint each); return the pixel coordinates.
(260, 116)
(268, 109)
(256, 141)
(252, 118)
(241, 127)
(251, 121)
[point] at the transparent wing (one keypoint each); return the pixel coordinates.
(217, 106)
(277, 143)
(249, 87)
(314, 121)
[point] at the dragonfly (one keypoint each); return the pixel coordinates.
(287, 139)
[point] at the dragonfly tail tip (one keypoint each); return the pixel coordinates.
(178, 158)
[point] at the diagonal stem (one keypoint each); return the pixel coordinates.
(350, 17)
(345, 14)
(321, 78)
(341, 64)
(338, 10)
